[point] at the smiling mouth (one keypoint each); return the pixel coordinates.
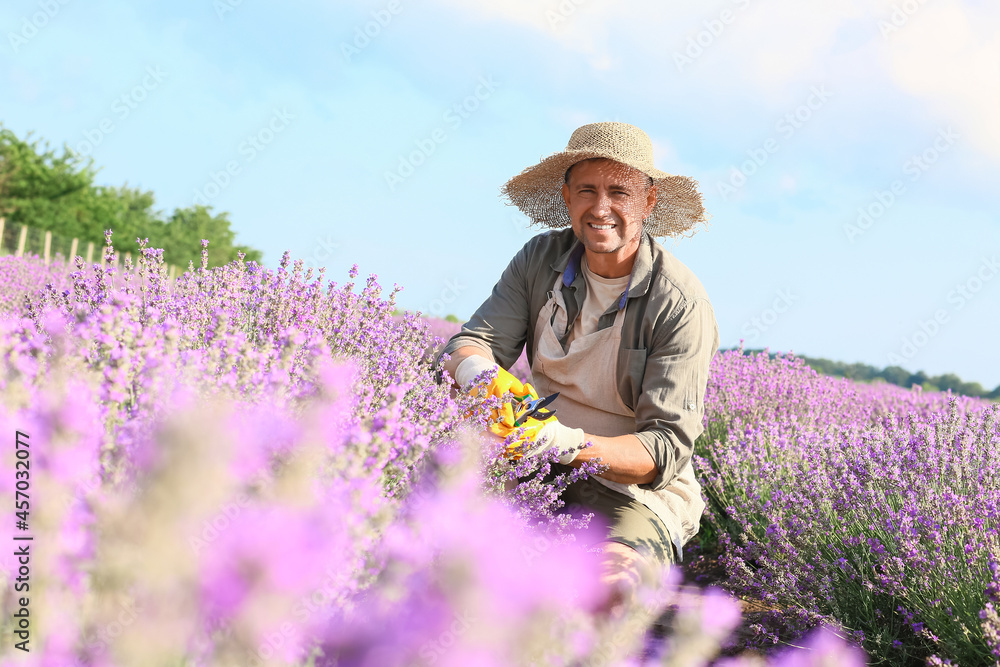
(600, 227)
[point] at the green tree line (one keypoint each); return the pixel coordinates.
(56, 192)
(898, 376)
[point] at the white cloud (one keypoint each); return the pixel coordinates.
(788, 183)
(946, 52)
(521, 12)
(579, 26)
(951, 57)
(663, 151)
(767, 32)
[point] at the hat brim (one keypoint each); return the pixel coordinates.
(537, 192)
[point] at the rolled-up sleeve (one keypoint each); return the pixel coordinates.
(500, 326)
(669, 411)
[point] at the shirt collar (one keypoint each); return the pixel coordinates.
(642, 270)
(573, 264)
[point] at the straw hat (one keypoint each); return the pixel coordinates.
(537, 190)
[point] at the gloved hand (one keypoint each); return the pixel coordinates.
(536, 436)
(472, 367)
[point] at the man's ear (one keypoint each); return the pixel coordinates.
(650, 200)
(565, 191)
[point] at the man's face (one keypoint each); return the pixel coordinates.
(607, 202)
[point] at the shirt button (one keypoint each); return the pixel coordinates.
(690, 406)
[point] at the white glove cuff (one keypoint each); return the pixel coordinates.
(470, 368)
(568, 457)
(563, 438)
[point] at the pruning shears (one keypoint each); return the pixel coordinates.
(525, 416)
(529, 408)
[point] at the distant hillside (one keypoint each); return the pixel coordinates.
(896, 375)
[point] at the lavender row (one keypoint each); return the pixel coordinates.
(868, 504)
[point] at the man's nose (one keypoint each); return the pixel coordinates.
(602, 207)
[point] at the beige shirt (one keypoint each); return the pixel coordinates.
(601, 293)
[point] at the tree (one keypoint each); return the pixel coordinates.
(185, 229)
(42, 189)
(947, 381)
(56, 192)
(917, 378)
(896, 375)
(971, 389)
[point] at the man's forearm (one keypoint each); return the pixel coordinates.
(627, 459)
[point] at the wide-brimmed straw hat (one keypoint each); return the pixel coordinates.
(537, 190)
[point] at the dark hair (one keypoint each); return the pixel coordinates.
(566, 175)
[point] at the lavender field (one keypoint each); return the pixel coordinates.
(256, 467)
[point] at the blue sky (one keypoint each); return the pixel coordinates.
(792, 116)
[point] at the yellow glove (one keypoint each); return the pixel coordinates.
(567, 440)
(505, 382)
(472, 367)
(527, 432)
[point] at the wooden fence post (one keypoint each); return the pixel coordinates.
(1, 234)
(72, 250)
(90, 251)
(21, 240)
(48, 245)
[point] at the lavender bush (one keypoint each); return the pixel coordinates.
(869, 504)
(254, 467)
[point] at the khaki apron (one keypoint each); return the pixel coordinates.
(584, 375)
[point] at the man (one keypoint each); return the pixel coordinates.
(614, 323)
